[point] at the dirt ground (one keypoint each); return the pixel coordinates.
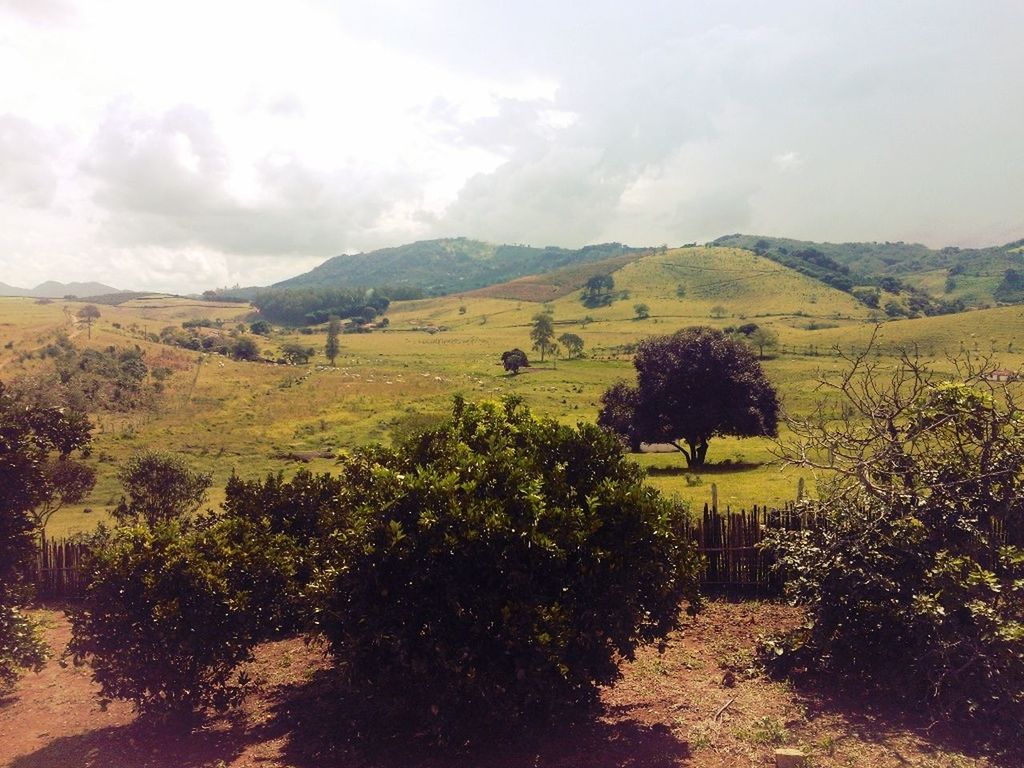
(699, 704)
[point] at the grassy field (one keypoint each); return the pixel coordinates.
(253, 418)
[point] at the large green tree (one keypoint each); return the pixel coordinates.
(692, 386)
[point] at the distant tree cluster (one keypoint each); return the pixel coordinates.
(311, 306)
(111, 379)
(598, 291)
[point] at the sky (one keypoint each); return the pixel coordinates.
(202, 143)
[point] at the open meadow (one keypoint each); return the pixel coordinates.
(252, 418)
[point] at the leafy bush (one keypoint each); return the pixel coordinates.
(30, 437)
(160, 487)
(172, 610)
(497, 568)
(913, 582)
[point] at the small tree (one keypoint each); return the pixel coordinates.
(514, 359)
(762, 338)
(244, 348)
(171, 611)
(641, 311)
(261, 328)
(63, 481)
(542, 332)
(718, 311)
(691, 386)
(89, 313)
(296, 354)
(573, 344)
(160, 487)
(914, 580)
(332, 347)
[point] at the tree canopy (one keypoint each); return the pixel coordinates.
(542, 333)
(160, 487)
(692, 386)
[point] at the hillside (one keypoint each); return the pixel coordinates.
(440, 267)
(977, 276)
(51, 289)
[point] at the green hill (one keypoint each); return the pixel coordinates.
(445, 266)
(975, 276)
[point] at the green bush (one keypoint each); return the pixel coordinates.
(172, 610)
(497, 568)
(913, 582)
(32, 437)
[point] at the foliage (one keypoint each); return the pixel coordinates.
(313, 305)
(244, 348)
(171, 611)
(915, 580)
(63, 481)
(331, 348)
(437, 267)
(497, 568)
(618, 411)
(297, 354)
(261, 328)
(1011, 287)
(692, 386)
(30, 437)
(89, 313)
(514, 359)
(542, 332)
(110, 379)
(598, 291)
(160, 487)
(573, 344)
(641, 311)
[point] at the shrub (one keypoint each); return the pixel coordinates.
(913, 582)
(171, 611)
(497, 568)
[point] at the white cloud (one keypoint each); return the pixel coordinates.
(177, 146)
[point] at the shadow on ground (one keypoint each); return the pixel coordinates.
(877, 718)
(313, 728)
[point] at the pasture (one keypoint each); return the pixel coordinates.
(251, 418)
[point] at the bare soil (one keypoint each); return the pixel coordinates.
(700, 703)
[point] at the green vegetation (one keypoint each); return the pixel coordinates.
(692, 386)
(909, 582)
(172, 610)
(314, 305)
(493, 569)
(514, 562)
(918, 273)
(30, 438)
(159, 487)
(439, 267)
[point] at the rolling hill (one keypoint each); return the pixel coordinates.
(445, 266)
(976, 276)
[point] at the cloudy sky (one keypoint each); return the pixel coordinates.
(201, 143)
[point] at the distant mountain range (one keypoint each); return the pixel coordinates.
(54, 290)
